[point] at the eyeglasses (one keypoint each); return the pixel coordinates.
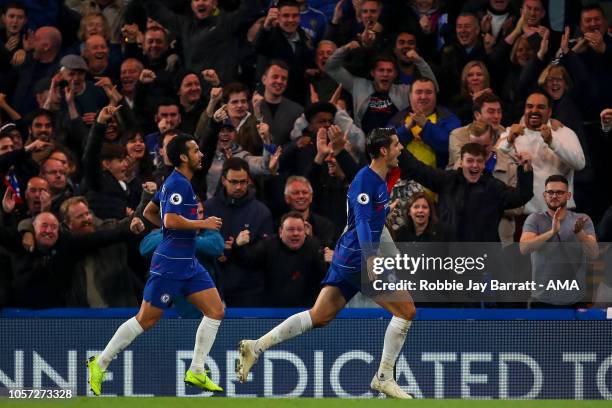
(558, 193)
(237, 182)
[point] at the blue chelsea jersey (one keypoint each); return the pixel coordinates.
(368, 206)
(175, 257)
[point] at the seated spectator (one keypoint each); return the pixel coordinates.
(422, 223)
(424, 128)
(292, 261)
(471, 203)
(554, 233)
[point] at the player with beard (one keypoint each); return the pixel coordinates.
(174, 271)
(552, 151)
(368, 206)
(558, 225)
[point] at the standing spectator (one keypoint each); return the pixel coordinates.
(276, 110)
(102, 278)
(208, 28)
(41, 62)
(292, 261)
(374, 102)
(298, 196)
(424, 128)
(552, 151)
(282, 38)
(237, 205)
(561, 242)
(470, 202)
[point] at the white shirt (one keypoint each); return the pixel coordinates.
(563, 156)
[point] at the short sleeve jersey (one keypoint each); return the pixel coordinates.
(368, 206)
(175, 256)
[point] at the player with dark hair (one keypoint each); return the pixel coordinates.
(368, 205)
(175, 270)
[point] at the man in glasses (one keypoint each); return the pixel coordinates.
(561, 242)
(237, 206)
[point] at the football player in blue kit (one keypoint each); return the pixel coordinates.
(175, 271)
(368, 206)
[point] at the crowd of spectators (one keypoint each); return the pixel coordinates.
(281, 95)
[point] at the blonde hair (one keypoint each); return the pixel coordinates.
(548, 70)
(105, 26)
(516, 46)
(464, 86)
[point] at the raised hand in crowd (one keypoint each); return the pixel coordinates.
(211, 76)
(137, 226)
(106, 113)
(263, 129)
(338, 13)
(9, 200)
(485, 23)
(516, 130)
(36, 146)
(275, 160)
(221, 114)
(606, 119)
(256, 100)
(243, 238)
(147, 76)
(109, 89)
(12, 42)
(271, 18)
(546, 133)
(131, 34)
(524, 159)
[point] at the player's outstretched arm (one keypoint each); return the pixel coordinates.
(151, 213)
(176, 221)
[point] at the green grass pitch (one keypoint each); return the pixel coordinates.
(159, 402)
